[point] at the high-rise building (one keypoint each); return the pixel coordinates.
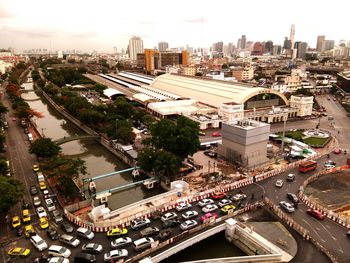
(243, 42)
(151, 60)
(218, 47)
(258, 49)
(287, 44)
(135, 47)
(239, 43)
(230, 48)
(328, 45)
(268, 46)
(320, 41)
(301, 48)
(163, 46)
(291, 37)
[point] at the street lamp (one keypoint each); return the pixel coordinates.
(285, 117)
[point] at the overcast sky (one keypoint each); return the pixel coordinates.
(100, 25)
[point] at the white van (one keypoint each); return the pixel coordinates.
(38, 242)
(143, 243)
(30, 137)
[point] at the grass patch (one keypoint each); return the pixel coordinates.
(296, 135)
(312, 141)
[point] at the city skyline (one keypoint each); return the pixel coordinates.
(81, 25)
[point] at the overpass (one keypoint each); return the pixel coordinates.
(74, 138)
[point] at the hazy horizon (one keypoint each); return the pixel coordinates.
(87, 26)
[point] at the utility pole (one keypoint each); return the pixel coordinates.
(285, 116)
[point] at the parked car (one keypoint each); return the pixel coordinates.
(208, 216)
(35, 168)
(149, 231)
(292, 197)
(92, 248)
(43, 223)
(38, 242)
(15, 222)
(239, 197)
(36, 201)
(57, 216)
(41, 211)
(116, 232)
(329, 166)
(188, 224)
(216, 134)
(143, 243)
(227, 208)
(315, 213)
(59, 251)
(138, 223)
(52, 233)
(82, 257)
(218, 195)
(168, 216)
(67, 227)
(33, 190)
(290, 177)
(121, 242)
(25, 204)
(183, 206)
(69, 240)
(85, 233)
(29, 231)
(18, 252)
(171, 223)
(114, 255)
(58, 260)
(50, 205)
(209, 208)
(287, 206)
(205, 202)
(279, 183)
(224, 202)
(330, 162)
(189, 214)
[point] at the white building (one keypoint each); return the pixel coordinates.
(4, 66)
(303, 104)
(135, 47)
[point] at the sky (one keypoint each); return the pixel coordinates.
(101, 25)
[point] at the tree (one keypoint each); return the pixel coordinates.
(11, 192)
(44, 147)
(199, 74)
(180, 137)
(3, 109)
(41, 83)
(3, 165)
(123, 108)
(90, 117)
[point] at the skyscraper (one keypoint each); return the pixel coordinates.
(163, 46)
(135, 47)
(320, 41)
(328, 45)
(301, 48)
(243, 42)
(292, 34)
(239, 43)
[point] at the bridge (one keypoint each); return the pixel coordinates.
(74, 138)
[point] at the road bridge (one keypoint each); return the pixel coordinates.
(74, 138)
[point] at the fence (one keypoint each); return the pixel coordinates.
(301, 230)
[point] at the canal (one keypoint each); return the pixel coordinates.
(98, 160)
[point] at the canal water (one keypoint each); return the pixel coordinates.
(98, 160)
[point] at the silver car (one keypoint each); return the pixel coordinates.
(188, 224)
(287, 206)
(121, 242)
(36, 201)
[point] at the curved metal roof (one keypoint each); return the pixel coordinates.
(210, 92)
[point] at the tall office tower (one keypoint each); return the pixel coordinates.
(320, 41)
(291, 37)
(301, 48)
(230, 48)
(268, 46)
(286, 43)
(219, 47)
(239, 43)
(163, 46)
(243, 42)
(328, 45)
(115, 50)
(135, 47)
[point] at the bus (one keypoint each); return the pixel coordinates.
(307, 166)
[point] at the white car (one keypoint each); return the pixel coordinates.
(224, 202)
(41, 211)
(38, 242)
(188, 224)
(183, 206)
(168, 216)
(137, 223)
(189, 214)
(69, 240)
(279, 183)
(121, 242)
(36, 200)
(50, 205)
(58, 260)
(59, 251)
(287, 206)
(209, 208)
(205, 202)
(329, 166)
(85, 233)
(290, 177)
(239, 197)
(114, 255)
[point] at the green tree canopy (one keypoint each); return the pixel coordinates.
(44, 147)
(11, 192)
(3, 109)
(3, 165)
(123, 108)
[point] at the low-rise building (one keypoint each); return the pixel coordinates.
(303, 104)
(243, 74)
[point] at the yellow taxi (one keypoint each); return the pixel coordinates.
(227, 208)
(29, 231)
(43, 222)
(16, 222)
(117, 232)
(25, 216)
(42, 185)
(35, 168)
(18, 252)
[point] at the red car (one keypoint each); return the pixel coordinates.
(207, 216)
(337, 151)
(218, 195)
(216, 134)
(315, 213)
